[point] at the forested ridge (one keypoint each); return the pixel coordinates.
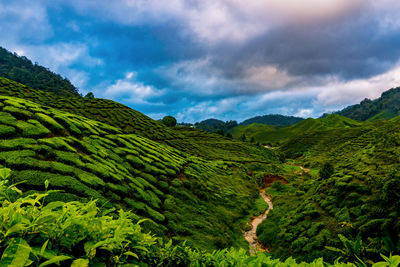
(21, 69)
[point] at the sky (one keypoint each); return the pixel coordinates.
(224, 59)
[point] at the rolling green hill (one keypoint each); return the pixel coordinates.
(385, 107)
(22, 70)
(267, 134)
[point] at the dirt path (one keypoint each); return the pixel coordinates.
(301, 167)
(304, 169)
(251, 236)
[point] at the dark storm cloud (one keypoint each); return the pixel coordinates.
(211, 58)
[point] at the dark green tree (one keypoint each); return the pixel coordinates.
(169, 121)
(326, 171)
(229, 135)
(89, 95)
(243, 138)
(220, 131)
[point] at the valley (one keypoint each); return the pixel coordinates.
(91, 182)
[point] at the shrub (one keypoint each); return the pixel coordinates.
(6, 118)
(32, 129)
(48, 121)
(267, 232)
(326, 171)
(19, 113)
(69, 158)
(16, 143)
(169, 121)
(89, 178)
(7, 130)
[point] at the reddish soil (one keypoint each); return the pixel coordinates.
(268, 180)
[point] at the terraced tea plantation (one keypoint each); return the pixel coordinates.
(183, 196)
(107, 111)
(129, 120)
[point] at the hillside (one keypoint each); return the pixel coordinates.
(86, 159)
(213, 125)
(22, 70)
(273, 120)
(385, 107)
(277, 135)
(360, 198)
(132, 121)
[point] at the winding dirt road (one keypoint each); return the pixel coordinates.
(251, 235)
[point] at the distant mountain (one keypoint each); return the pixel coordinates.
(273, 120)
(214, 125)
(21, 69)
(385, 107)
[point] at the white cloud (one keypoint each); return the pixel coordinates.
(304, 113)
(23, 19)
(269, 77)
(132, 92)
(210, 109)
(339, 93)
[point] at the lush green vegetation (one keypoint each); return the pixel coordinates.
(22, 70)
(131, 121)
(214, 146)
(86, 235)
(183, 196)
(213, 125)
(385, 107)
(278, 120)
(337, 194)
(354, 207)
(275, 135)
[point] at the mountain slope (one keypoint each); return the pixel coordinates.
(213, 125)
(132, 121)
(360, 198)
(385, 107)
(273, 120)
(87, 159)
(277, 135)
(22, 70)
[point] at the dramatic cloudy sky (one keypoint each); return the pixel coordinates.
(227, 59)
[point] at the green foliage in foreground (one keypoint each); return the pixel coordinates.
(81, 234)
